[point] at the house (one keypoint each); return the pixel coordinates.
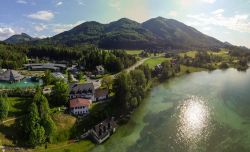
(100, 70)
(79, 106)
(85, 90)
(73, 69)
(58, 75)
(102, 131)
(101, 94)
(11, 76)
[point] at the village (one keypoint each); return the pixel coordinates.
(81, 97)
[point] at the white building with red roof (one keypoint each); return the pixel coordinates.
(79, 106)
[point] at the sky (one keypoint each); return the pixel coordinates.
(226, 20)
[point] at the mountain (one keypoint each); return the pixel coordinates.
(169, 32)
(128, 34)
(19, 38)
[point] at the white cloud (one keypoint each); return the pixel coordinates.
(40, 27)
(239, 22)
(218, 11)
(58, 28)
(21, 1)
(59, 3)
(209, 1)
(42, 15)
(81, 2)
(6, 32)
(172, 13)
(115, 4)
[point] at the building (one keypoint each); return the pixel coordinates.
(86, 91)
(45, 66)
(11, 76)
(79, 106)
(102, 131)
(58, 75)
(101, 94)
(100, 69)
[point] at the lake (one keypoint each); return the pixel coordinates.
(199, 112)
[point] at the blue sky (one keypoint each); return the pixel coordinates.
(226, 20)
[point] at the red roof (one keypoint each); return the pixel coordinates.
(79, 102)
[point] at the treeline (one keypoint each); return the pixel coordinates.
(201, 59)
(166, 70)
(130, 88)
(87, 56)
(11, 56)
(113, 61)
(54, 53)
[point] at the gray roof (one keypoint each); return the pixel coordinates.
(11, 75)
(81, 87)
(45, 65)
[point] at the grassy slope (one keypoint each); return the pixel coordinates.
(133, 52)
(18, 106)
(189, 54)
(152, 62)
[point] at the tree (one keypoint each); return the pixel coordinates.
(107, 82)
(47, 79)
(138, 85)
(35, 132)
(80, 76)
(122, 88)
(4, 107)
(37, 136)
(60, 93)
(69, 77)
(147, 71)
(49, 127)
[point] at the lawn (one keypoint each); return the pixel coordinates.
(18, 106)
(184, 69)
(64, 124)
(152, 62)
(224, 54)
(9, 131)
(11, 134)
(134, 52)
(82, 146)
(189, 54)
(32, 73)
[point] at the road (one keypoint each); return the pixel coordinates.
(97, 82)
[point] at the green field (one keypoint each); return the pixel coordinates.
(18, 106)
(152, 62)
(224, 54)
(9, 129)
(82, 146)
(134, 52)
(184, 69)
(189, 54)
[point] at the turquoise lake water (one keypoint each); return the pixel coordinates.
(199, 112)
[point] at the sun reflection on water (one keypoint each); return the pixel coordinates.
(194, 119)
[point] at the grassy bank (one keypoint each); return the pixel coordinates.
(152, 62)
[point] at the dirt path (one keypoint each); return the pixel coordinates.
(12, 119)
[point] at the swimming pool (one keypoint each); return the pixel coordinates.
(25, 83)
